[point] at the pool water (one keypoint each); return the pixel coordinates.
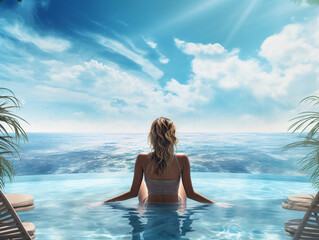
(62, 212)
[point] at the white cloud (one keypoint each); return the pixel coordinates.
(150, 43)
(14, 71)
(187, 96)
(163, 59)
(63, 75)
(26, 34)
(295, 44)
(293, 55)
(97, 81)
(218, 68)
(112, 82)
(118, 89)
(199, 48)
(119, 48)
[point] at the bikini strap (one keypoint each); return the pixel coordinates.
(179, 168)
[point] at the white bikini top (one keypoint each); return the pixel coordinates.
(163, 187)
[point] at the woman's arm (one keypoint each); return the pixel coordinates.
(187, 182)
(138, 176)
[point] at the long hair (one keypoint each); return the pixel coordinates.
(162, 139)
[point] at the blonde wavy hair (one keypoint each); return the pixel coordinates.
(162, 138)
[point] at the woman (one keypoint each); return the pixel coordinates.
(162, 170)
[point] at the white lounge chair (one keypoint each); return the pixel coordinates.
(11, 227)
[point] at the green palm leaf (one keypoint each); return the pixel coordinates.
(308, 121)
(310, 2)
(11, 133)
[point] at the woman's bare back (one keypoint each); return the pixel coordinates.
(171, 172)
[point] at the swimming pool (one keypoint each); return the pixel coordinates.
(61, 211)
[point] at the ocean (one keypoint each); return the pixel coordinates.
(61, 153)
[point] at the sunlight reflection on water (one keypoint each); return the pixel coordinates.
(61, 210)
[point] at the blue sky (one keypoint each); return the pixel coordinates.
(115, 66)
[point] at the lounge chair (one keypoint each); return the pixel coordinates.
(309, 225)
(11, 227)
(20, 202)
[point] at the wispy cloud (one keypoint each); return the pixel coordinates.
(26, 34)
(121, 49)
(150, 43)
(164, 59)
(153, 45)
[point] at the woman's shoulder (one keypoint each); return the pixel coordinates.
(183, 160)
(142, 157)
(182, 157)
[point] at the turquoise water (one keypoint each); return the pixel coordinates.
(61, 210)
(58, 153)
(67, 171)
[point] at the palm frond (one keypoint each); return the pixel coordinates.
(314, 100)
(310, 2)
(307, 121)
(302, 144)
(304, 121)
(9, 142)
(6, 170)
